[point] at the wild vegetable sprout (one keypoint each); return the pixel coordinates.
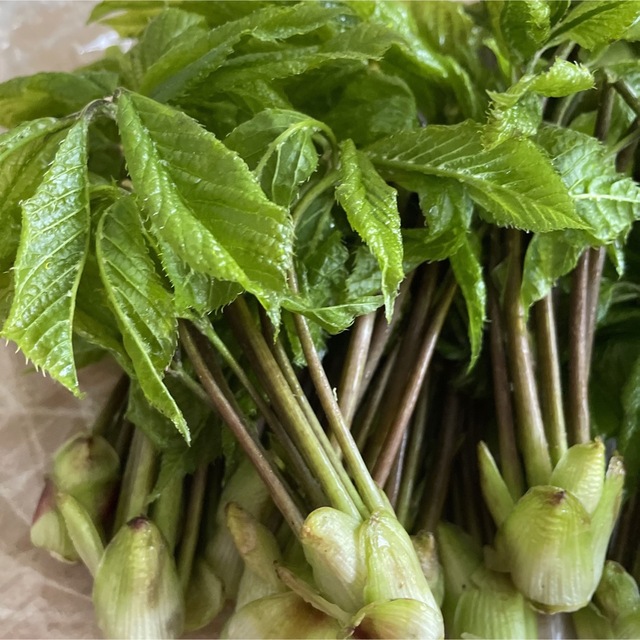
(370, 270)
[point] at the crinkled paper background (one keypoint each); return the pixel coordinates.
(40, 597)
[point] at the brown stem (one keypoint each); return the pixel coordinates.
(407, 404)
(549, 378)
(382, 333)
(578, 365)
(509, 460)
(392, 488)
(354, 366)
(414, 457)
(436, 491)
(252, 448)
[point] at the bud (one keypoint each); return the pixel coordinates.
(86, 467)
(48, 530)
(491, 607)
(284, 615)
(204, 598)
(581, 471)
(331, 546)
(589, 623)
(494, 489)
(548, 543)
(424, 544)
(401, 618)
(85, 536)
(258, 548)
(617, 594)
(137, 592)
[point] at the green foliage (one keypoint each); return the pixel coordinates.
(205, 204)
(143, 307)
(593, 24)
(372, 211)
(515, 184)
(52, 94)
(53, 249)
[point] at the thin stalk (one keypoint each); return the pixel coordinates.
(138, 479)
(192, 526)
(367, 488)
(414, 457)
(254, 451)
(532, 437)
(436, 491)
(294, 458)
(578, 365)
(354, 366)
(412, 389)
(392, 488)
(549, 378)
(407, 359)
(372, 409)
(382, 333)
(289, 374)
(289, 408)
(327, 182)
(628, 95)
(509, 459)
(596, 266)
(123, 438)
(629, 140)
(166, 511)
(584, 304)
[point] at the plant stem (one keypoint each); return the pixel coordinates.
(367, 488)
(628, 95)
(382, 332)
(300, 397)
(533, 440)
(354, 366)
(435, 491)
(407, 359)
(166, 510)
(192, 526)
(372, 408)
(596, 266)
(138, 479)
(288, 408)
(392, 488)
(412, 389)
(509, 460)
(550, 382)
(414, 457)
(578, 365)
(253, 449)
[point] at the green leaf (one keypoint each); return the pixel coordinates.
(191, 59)
(278, 147)
(143, 307)
(549, 256)
(131, 16)
(383, 103)
(515, 184)
(518, 112)
(630, 429)
(372, 211)
(362, 43)
(595, 23)
(606, 200)
(203, 201)
(52, 94)
(193, 291)
(468, 273)
(52, 252)
(447, 210)
(521, 26)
